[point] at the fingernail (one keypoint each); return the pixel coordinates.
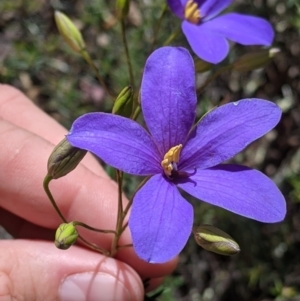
(92, 287)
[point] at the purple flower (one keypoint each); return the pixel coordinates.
(207, 33)
(178, 154)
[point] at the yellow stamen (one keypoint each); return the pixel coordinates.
(170, 159)
(192, 12)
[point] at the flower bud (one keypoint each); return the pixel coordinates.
(123, 103)
(69, 31)
(215, 240)
(202, 66)
(254, 60)
(122, 8)
(65, 236)
(63, 159)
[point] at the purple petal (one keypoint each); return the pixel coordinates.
(227, 130)
(239, 189)
(118, 141)
(160, 221)
(208, 45)
(168, 96)
(211, 8)
(243, 29)
(177, 7)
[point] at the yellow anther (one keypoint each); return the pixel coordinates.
(170, 159)
(192, 12)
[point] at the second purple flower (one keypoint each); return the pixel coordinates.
(207, 33)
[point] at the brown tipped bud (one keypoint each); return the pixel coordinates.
(65, 236)
(123, 103)
(64, 159)
(202, 66)
(254, 60)
(69, 31)
(215, 240)
(122, 8)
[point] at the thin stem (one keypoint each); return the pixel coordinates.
(156, 30)
(212, 77)
(125, 226)
(46, 182)
(136, 113)
(120, 228)
(76, 223)
(125, 246)
(94, 247)
(120, 216)
(172, 37)
(124, 39)
(120, 190)
(88, 59)
(132, 197)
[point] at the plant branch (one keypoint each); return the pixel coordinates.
(156, 30)
(124, 39)
(212, 77)
(88, 59)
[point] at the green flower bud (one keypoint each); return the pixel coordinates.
(65, 236)
(254, 60)
(123, 103)
(202, 66)
(63, 159)
(69, 32)
(215, 240)
(122, 8)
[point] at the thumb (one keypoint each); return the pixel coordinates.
(35, 270)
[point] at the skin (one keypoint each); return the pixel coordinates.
(31, 268)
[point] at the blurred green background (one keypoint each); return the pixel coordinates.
(34, 58)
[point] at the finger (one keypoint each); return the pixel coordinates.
(16, 108)
(23, 168)
(81, 195)
(21, 228)
(32, 270)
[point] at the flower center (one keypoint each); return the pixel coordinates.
(171, 158)
(192, 12)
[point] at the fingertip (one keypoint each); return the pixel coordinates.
(47, 273)
(98, 286)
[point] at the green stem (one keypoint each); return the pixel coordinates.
(46, 182)
(125, 226)
(212, 77)
(76, 223)
(88, 59)
(136, 113)
(120, 190)
(125, 246)
(132, 197)
(156, 30)
(120, 216)
(94, 247)
(172, 37)
(124, 39)
(124, 213)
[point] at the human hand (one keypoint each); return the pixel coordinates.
(31, 268)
